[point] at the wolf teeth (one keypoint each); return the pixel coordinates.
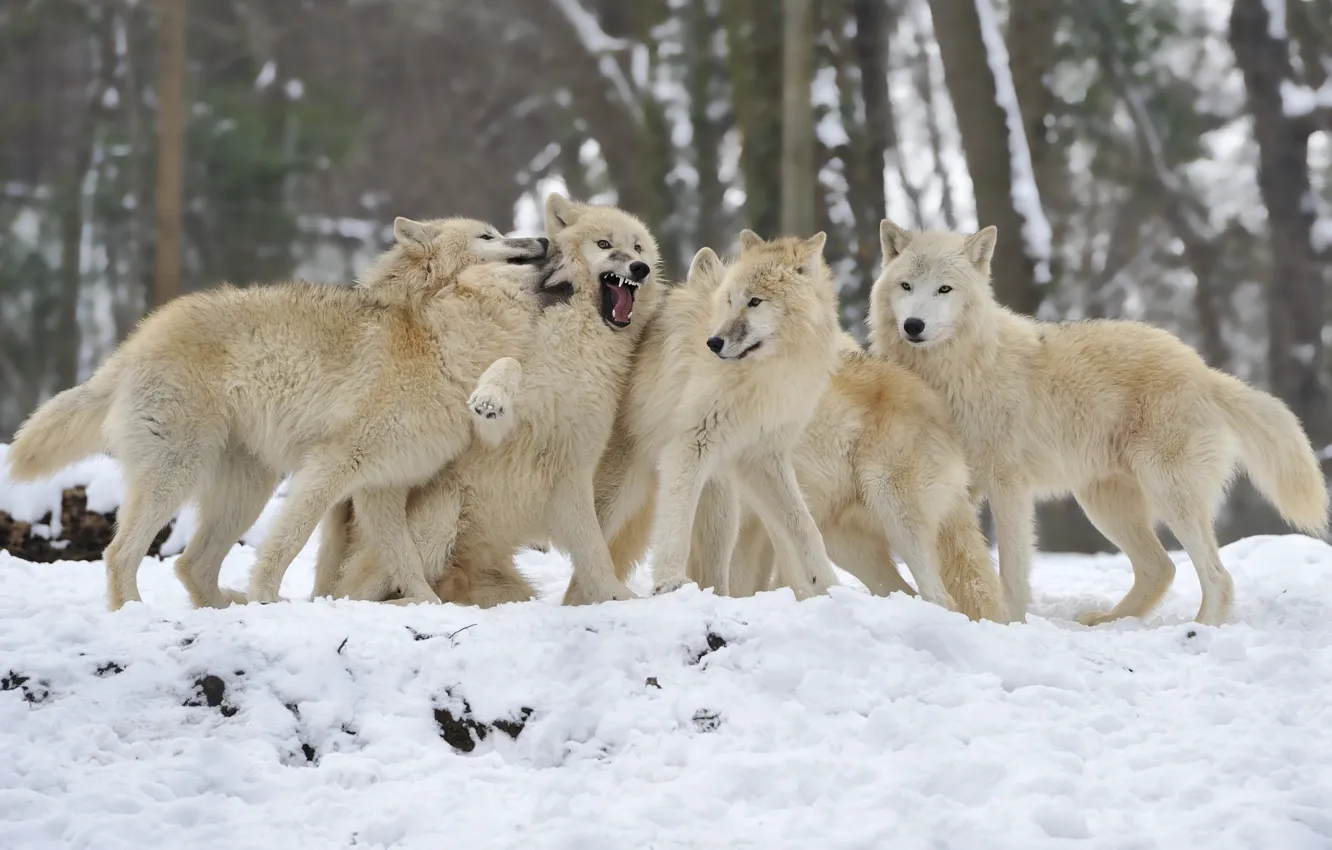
(620, 281)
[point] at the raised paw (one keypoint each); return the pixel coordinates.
(488, 403)
(233, 597)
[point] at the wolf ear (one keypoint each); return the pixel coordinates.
(892, 239)
(560, 213)
(749, 239)
(979, 247)
(706, 262)
(811, 252)
(413, 234)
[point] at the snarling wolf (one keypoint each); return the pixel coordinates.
(600, 289)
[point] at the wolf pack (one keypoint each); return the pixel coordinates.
(473, 394)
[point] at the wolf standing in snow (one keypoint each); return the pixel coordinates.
(882, 468)
(726, 382)
(218, 392)
(1123, 415)
(600, 292)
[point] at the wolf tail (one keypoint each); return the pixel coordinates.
(66, 429)
(965, 567)
(1276, 452)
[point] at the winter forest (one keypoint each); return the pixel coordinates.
(1164, 160)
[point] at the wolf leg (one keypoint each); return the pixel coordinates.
(772, 489)
(1014, 512)
(571, 517)
(682, 474)
(237, 495)
(324, 480)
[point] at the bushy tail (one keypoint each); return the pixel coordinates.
(1276, 452)
(965, 566)
(65, 429)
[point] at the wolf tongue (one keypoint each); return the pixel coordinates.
(624, 303)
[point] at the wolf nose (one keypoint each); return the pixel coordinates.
(715, 344)
(544, 242)
(913, 327)
(639, 269)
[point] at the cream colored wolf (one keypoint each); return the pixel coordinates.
(539, 484)
(1127, 417)
(726, 381)
(218, 392)
(882, 467)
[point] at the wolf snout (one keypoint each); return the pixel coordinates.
(638, 270)
(913, 327)
(715, 344)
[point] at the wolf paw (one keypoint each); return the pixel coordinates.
(491, 408)
(577, 594)
(232, 597)
(669, 586)
(1095, 618)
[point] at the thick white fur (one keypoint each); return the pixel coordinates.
(539, 484)
(217, 393)
(699, 430)
(1123, 415)
(882, 467)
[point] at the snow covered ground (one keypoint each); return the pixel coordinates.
(686, 721)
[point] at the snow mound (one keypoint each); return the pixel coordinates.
(684, 721)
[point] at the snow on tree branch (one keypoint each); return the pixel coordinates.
(1026, 199)
(598, 43)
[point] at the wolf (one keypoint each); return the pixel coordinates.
(882, 467)
(727, 379)
(602, 291)
(217, 393)
(1127, 417)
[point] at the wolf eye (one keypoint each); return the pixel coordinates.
(754, 302)
(945, 289)
(603, 245)
(487, 236)
(906, 286)
(638, 249)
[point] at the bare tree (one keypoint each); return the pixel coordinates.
(980, 82)
(1298, 279)
(797, 119)
(170, 150)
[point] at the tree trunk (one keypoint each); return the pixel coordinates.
(754, 43)
(170, 153)
(797, 120)
(987, 143)
(702, 72)
(870, 46)
(1297, 279)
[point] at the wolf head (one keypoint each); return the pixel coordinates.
(930, 285)
(774, 293)
(429, 255)
(607, 258)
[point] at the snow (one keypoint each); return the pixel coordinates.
(1298, 101)
(597, 43)
(267, 75)
(1276, 19)
(680, 721)
(1036, 233)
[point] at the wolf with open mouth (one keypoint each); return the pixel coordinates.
(598, 292)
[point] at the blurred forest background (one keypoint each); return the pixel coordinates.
(1165, 160)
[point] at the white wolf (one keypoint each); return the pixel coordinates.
(882, 468)
(218, 392)
(600, 291)
(1127, 417)
(726, 381)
